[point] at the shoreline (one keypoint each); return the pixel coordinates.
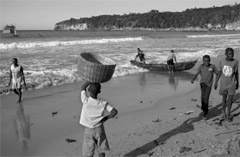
(36, 86)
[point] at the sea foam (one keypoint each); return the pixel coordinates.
(63, 43)
(212, 36)
(39, 76)
(43, 69)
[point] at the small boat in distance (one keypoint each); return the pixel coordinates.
(181, 66)
(10, 29)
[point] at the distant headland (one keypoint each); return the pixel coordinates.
(197, 19)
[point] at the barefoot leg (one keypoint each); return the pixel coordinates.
(229, 107)
(224, 97)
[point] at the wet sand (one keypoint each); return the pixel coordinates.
(158, 116)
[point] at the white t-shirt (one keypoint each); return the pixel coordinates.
(93, 111)
(16, 74)
(170, 56)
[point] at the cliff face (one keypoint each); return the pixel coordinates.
(215, 18)
(63, 26)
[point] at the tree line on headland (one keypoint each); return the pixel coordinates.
(225, 17)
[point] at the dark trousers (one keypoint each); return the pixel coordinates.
(205, 93)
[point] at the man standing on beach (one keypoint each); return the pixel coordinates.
(170, 63)
(16, 78)
(229, 81)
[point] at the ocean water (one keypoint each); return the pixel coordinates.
(50, 58)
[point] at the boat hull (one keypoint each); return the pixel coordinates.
(164, 67)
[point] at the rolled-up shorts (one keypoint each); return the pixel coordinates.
(95, 139)
(170, 62)
(229, 90)
(16, 84)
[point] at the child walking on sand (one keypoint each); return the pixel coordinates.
(206, 70)
(228, 68)
(92, 117)
(16, 78)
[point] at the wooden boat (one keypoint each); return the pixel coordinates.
(164, 67)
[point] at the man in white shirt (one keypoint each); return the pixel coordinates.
(92, 117)
(16, 78)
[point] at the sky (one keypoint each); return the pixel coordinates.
(44, 14)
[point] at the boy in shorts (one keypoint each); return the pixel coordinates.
(228, 76)
(206, 70)
(92, 117)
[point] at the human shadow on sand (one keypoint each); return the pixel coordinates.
(45, 95)
(185, 127)
(22, 126)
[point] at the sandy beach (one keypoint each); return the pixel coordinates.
(159, 115)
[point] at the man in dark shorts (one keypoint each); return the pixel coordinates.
(170, 62)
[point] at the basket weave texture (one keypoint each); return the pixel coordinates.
(95, 67)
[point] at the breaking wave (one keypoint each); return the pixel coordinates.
(37, 77)
(63, 43)
(211, 36)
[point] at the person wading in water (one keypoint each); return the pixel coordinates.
(141, 55)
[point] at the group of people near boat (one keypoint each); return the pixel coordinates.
(171, 58)
(92, 114)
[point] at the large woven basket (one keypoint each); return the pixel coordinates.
(95, 67)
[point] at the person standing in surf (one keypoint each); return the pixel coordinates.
(141, 55)
(229, 81)
(170, 61)
(16, 78)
